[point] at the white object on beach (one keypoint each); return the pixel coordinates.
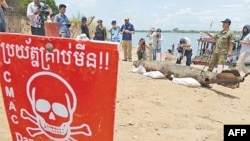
(188, 81)
(140, 69)
(154, 74)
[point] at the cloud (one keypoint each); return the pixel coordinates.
(77, 3)
(184, 11)
(246, 3)
(153, 14)
(233, 6)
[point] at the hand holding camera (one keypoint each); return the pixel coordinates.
(68, 25)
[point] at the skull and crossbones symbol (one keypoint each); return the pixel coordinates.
(53, 103)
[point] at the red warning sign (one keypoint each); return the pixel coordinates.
(58, 89)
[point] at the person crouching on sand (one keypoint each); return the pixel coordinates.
(141, 50)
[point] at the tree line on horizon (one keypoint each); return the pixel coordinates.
(185, 31)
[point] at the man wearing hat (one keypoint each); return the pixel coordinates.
(224, 45)
(127, 30)
(85, 24)
(114, 32)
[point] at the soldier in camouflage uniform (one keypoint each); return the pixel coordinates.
(224, 45)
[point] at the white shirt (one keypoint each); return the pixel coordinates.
(34, 19)
(157, 40)
(245, 48)
(188, 41)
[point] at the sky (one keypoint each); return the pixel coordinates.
(165, 14)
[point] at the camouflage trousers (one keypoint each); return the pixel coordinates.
(217, 59)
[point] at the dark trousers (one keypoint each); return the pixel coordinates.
(37, 31)
(188, 54)
(3, 26)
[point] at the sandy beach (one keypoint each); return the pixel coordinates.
(158, 110)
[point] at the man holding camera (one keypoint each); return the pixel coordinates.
(184, 49)
(63, 21)
(37, 12)
(156, 45)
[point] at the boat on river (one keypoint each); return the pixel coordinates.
(205, 50)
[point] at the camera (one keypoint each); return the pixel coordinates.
(158, 35)
(180, 48)
(44, 9)
(68, 25)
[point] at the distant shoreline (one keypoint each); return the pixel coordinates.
(185, 31)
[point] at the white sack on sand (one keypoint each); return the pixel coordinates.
(140, 69)
(154, 74)
(188, 81)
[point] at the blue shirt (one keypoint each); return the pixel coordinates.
(130, 27)
(63, 21)
(115, 34)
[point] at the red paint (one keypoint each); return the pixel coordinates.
(51, 29)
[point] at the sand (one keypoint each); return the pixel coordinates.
(158, 110)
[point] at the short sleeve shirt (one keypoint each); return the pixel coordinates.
(223, 40)
(63, 21)
(130, 27)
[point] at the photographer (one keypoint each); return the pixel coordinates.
(157, 39)
(184, 49)
(37, 12)
(141, 50)
(63, 21)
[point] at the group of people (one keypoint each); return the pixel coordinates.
(224, 47)
(149, 52)
(38, 12)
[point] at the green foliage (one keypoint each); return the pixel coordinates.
(77, 20)
(51, 3)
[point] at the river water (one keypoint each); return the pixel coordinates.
(169, 39)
